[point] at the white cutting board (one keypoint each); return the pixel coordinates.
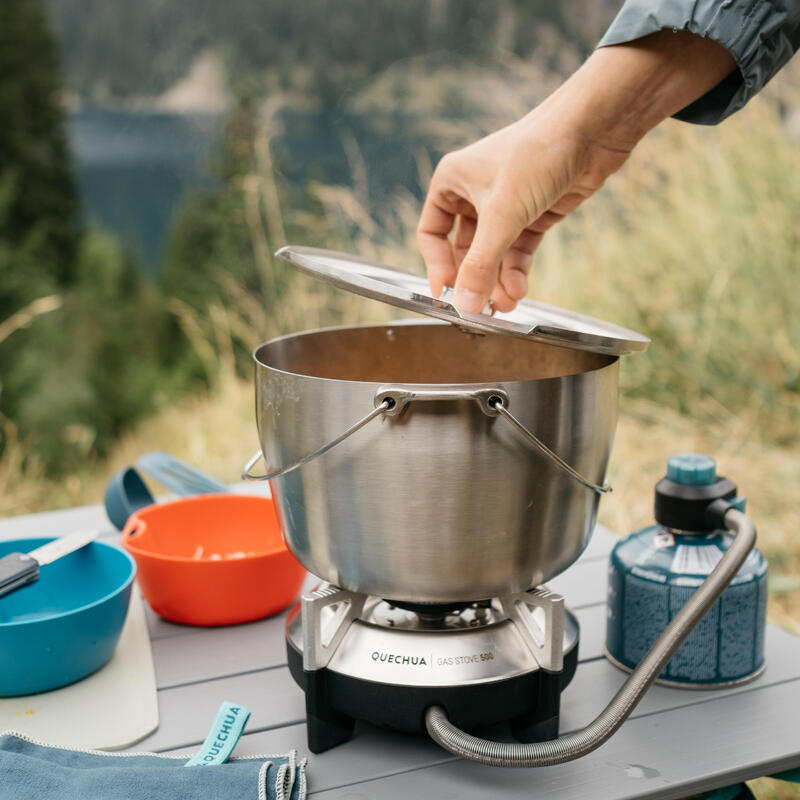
(111, 709)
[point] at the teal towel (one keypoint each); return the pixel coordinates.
(791, 775)
(738, 792)
(741, 792)
(35, 770)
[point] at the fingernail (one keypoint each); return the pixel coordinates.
(468, 301)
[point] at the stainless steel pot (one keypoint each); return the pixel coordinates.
(417, 462)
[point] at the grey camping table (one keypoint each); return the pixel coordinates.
(677, 742)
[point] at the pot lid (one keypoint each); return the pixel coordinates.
(529, 320)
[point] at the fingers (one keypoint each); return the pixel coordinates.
(435, 223)
(464, 234)
(513, 283)
(506, 285)
(480, 269)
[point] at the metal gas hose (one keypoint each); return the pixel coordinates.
(574, 745)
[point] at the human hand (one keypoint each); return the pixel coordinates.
(498, 196)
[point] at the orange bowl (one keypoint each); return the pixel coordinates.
(214, 559)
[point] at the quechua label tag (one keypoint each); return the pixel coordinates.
(222, 737)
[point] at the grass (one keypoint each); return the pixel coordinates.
(695, 242)
(657, 249)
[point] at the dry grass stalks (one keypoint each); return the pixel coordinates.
(696, 242)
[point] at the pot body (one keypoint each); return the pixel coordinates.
(441, 502)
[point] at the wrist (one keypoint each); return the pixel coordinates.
(623, 91)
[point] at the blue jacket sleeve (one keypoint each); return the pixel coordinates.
(761, 35)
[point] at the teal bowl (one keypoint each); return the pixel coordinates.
(67, 624)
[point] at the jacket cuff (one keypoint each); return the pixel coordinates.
(758, 34)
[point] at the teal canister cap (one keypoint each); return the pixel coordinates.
(684, 494)
(692, 469)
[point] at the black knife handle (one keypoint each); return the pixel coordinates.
(17, 569)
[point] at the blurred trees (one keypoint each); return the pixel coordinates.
(86, 345)
(89, 346)
(224, 285)
(39, 232)
(38, 200)
(115, 48)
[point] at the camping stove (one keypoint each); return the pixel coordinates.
(359, 657)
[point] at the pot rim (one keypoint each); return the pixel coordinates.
(609, 360)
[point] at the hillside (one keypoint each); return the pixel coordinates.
(116, 51)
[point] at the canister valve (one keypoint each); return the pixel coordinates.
(690, 486)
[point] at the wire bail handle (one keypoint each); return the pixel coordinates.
(392, 400)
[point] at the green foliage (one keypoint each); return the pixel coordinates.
(25, 272)
(209, 241)
(228, 290)
(75, 377)
(38, 232)
(86, 345)
(217, 238)
(695, 243)
(38, 192)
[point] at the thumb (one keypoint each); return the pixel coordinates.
(480, 269)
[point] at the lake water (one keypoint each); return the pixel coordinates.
(134, 168)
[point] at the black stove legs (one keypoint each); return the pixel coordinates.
(540, 724)
(326, 726)
(335, 700)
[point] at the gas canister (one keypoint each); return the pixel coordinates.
(654, 571)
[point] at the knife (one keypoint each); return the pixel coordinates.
(19, 569)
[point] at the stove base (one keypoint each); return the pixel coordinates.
(531, 702)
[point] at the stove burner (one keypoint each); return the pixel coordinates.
(408, 616)
(387, 662)
(435, 612)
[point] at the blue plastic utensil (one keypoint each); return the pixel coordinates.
(126, 493)
(67, 624)
(182, 478)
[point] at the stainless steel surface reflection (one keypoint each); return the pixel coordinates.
(441, 502)
(454, 652)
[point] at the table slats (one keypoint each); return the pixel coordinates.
(658, 756)
(677, 741)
